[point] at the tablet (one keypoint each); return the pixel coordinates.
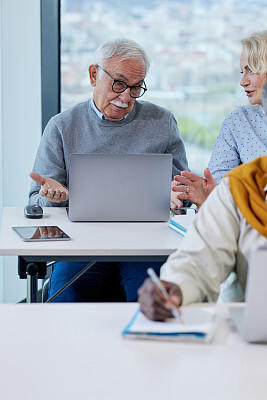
(40, 233)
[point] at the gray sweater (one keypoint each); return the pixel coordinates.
(147, 129)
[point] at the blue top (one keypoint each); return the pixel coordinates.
(242, 137)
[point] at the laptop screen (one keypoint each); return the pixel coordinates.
(120, 187)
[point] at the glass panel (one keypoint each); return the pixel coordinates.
(194, 50)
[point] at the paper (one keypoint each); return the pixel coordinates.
(197, 324)
(180, 223)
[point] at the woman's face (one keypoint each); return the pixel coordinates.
(251, 82)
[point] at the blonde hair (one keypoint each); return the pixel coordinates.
(255, 47)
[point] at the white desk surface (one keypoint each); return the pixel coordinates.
(76, 351)
(94, 238)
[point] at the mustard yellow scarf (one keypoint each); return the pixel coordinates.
(246, 184)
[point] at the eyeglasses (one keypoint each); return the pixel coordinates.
(120, 86)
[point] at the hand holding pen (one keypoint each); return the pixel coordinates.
(159, 300)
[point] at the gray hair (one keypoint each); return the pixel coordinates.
(264, 98)
(126, 49)
(255, 47)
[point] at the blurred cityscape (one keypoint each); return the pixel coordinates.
(194, 48)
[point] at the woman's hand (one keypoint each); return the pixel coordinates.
(193, 187)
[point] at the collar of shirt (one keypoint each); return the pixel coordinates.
(100, 115)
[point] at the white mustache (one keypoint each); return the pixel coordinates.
(119, 104)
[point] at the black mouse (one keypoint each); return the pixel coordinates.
(33, 211)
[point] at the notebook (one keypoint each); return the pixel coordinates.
(197, 324)
(251, 320)
(180, 223)
(120, 187)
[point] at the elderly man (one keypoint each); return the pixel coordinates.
(113, 121)
(230, 223)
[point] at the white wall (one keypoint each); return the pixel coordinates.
(20, 127)
(1, 169)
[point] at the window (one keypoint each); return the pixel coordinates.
(194, 50)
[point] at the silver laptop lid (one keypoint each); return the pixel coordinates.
(255, 318)
(120, 187)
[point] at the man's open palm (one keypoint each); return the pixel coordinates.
(50, 189)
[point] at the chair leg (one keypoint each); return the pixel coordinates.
(45, 291)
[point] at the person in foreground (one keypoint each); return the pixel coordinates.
(113, 121)
(229, 225)
(243, 135)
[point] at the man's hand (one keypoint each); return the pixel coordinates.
(192, 187)
(50, 189)
(152, 302)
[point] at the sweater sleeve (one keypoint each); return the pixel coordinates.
(207, 254)
(176, 148)
(49, 162)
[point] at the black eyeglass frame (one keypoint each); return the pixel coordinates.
(125, 84)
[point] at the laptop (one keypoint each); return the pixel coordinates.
(251, 320)
(120, 187)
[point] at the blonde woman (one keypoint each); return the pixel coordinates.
(243, 134)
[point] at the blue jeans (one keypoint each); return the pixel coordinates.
(101, 283)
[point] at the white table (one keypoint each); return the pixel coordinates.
(92, 241)
(82, 355)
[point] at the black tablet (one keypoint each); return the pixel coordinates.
(40, 233)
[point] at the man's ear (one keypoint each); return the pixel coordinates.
(92, 74)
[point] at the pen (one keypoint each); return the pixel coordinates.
(157, 282)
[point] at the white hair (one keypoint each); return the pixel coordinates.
(126, 49)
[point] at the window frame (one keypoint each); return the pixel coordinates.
(50, 59)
